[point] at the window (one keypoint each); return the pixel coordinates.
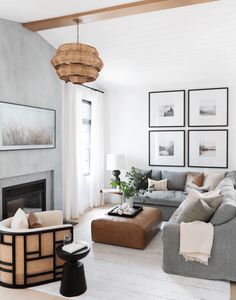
(86, 115)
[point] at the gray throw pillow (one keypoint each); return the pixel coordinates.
(199, 209)
(176, 180)
(156, 175)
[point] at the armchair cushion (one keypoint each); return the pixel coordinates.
(19, 221)
(34, 220)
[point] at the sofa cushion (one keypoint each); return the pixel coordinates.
(196, 207)
(189, 185)
(143, 184)
(176, 180)
(162, 198)
(193, 197)
(19, 221)
(212, 179)
(156, 175)
(157, 185)
(198, 179)
(227, 210)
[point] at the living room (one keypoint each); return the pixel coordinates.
(91, 90)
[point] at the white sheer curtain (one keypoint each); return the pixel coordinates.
(79, 191)
(96, 180)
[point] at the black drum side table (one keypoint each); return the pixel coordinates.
(73, 281)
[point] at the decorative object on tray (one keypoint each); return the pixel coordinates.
(25, 127)
(125, 211)
(208, 107)
(167, 148)
(115, 163)
(208, 148)
(167, 109)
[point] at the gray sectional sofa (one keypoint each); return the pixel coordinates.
(167, 201)
(222, 264)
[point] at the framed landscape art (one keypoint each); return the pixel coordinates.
(208, 148)
(167, 148)
(167, 108)
(208, 107)
(26, 127)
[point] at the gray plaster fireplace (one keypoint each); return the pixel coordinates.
(30, 196)
(30, 192)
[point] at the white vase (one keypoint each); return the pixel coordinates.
(130, 202)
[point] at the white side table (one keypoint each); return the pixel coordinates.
(111, 192)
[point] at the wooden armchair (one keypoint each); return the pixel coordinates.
(28, 256)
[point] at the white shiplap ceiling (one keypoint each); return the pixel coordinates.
(151, 49)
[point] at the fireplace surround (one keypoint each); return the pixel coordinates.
(27, 196)
(50, 196)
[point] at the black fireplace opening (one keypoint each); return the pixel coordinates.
(30, 196)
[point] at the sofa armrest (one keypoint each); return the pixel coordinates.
(34, 230)
(170, 231)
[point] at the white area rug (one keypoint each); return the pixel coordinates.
(117, 273)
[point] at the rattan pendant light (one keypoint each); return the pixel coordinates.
(77, 63)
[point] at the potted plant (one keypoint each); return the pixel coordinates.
(130, 187)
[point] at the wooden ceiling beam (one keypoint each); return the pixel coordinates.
(123, 10)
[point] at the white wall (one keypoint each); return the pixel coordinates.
(127, 129)
(186, 48)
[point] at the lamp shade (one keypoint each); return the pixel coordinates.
(115, 161)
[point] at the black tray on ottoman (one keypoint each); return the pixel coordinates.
(135, 210)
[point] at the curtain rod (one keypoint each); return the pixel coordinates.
(88, 87)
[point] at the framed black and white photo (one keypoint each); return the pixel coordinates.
(167, 148)
(208, 148)
(26, 127)
(208, 107)
(167, 108)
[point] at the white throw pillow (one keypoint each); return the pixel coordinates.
(195, 195)
(19, 221)
(212, 179)
(158, 185)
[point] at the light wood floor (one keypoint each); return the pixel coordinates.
(129, 274)
(121, 273)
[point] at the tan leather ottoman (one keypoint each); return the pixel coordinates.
(134, 232)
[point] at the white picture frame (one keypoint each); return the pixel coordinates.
(167, 148)
(208, 107)
(208, 148)
(167, 108)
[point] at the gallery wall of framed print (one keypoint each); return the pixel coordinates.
(26, 127)
(167, 148)
(167, 108)
(208, 107)
(208, 148)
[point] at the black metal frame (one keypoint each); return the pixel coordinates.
(5, 189)
(227, 106)
(41, 108)
(149, 150)
(227, 148)
(149, 108)
(56, 272)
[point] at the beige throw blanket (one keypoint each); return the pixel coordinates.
(196, 240)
